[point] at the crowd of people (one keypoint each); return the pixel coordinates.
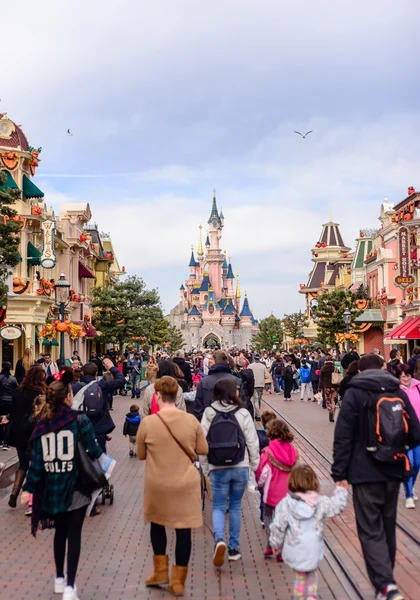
(200, 426)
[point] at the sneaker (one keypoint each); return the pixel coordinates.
(234, 554)
(390, 593)
(70, 593)
(409, 503)
(268, 552)
(262, 524)
(415, 497)
(28, 513)
(6, 447)
(219, 553)
(131, 452)
(59, 585)
(279, 558)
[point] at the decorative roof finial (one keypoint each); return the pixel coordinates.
(214, 193)
(238, 287)
(200, 250)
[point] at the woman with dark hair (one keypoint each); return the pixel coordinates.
(325, 385)
(167, 368)
(169, 442)
(411, 387)
(351, 371)
(22, 424)
(228, 480)
(8, 384)
(53, 475)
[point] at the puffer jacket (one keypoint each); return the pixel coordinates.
(246, 423)
(273, 472)
(131, 424)
(413, 394)
(8, 384)
(298, 526)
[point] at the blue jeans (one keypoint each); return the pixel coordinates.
(230, 482)
(278, 382)
(135, 384)
(414, 458)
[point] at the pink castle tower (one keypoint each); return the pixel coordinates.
(215, 257)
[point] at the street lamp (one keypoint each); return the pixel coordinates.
(62, 298)
(347, 316)
(300, 334)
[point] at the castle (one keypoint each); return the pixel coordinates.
(209, 313)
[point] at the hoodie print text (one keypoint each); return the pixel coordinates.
(58, 451)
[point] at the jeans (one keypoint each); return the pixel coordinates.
(135, 384)
(375, 508)
(258, 392)
(414, 458)
(278, 382)
(230, 482)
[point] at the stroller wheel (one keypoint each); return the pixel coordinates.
(111, 494)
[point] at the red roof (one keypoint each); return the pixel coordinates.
(408, 330)
(17, 140)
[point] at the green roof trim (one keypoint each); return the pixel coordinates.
(10, 182)
(30, 190)
(360, 255)
(33, 255)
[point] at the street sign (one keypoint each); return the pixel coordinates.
(404, 278)
(10, 332)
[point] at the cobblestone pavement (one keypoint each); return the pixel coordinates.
(311, 420)
(116, 554)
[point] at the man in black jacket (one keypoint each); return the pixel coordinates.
(375, 484)
(220, 370)
(349, 358)
(184, 366)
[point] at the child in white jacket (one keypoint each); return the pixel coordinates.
(298, 526)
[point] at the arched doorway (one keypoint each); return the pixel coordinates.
(211, 341)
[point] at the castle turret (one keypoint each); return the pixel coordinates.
(214, 256)
(193, 265)
(246, 314)
(229, 281)
(237, 294)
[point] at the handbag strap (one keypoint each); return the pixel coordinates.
(177, 441)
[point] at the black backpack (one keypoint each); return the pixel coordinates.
(226, 440)
(387, 429)
(93, 402)
(278, 369)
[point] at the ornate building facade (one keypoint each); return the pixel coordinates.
(209, 312)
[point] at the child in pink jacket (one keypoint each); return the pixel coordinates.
(276, 462)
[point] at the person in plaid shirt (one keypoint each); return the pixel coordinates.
(52, 478)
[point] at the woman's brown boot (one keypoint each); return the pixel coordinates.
(17, 485)
(179, 575)
(161, 571)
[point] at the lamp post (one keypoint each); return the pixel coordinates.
(347, 320)
(62, 298)
(300, 335)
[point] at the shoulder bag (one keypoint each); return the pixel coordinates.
(193, 460)
(336, 377)
(91, 476)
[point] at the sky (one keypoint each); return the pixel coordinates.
(169, 99)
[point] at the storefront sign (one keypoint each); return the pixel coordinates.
(10, 332)
(404, 278)
(48, 258)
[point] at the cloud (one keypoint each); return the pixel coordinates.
(167, 100)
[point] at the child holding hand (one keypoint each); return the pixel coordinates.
(276, 462)
(298, 527)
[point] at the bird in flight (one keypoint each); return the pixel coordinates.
(304, 136)
(69, 132)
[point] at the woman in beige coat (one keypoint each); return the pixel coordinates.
(169, 441)
(166, 368)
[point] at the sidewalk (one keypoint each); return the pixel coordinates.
(117, 557)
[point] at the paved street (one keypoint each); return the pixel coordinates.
(116, 555)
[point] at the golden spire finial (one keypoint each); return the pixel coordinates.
(200, 250)
(214, 193)
(238, 287)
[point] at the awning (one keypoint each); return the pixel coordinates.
(85, 272)
(408, 330)
(33, 254)
(370, 315)
(10, 182)
(30, 190)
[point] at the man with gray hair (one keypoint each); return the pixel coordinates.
(184, 366)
